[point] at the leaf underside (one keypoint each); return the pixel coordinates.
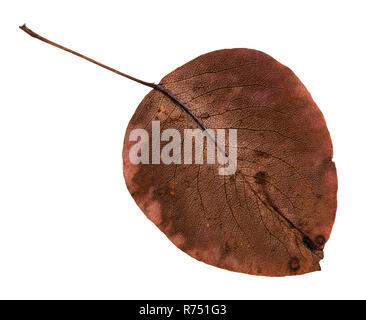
(275, 214)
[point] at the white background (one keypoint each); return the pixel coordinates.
(68, 226)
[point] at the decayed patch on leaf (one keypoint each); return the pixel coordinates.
(275, 214)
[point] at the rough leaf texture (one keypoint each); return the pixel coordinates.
(274, 216)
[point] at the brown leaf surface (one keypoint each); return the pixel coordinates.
(275, 214)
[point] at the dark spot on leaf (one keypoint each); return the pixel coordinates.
(294, 264)
(260, 177)
(227, 247)
(320, 240)
(309, 243)
(261, 154)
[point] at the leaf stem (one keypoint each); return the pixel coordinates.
(39, 37)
